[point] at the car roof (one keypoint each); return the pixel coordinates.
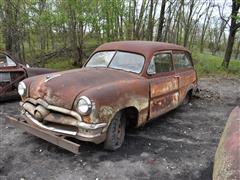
(146, 48)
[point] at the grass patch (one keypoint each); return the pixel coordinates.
(60, 64)
(209, 65)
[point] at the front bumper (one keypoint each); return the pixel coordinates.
(60, 141)
(61, 121)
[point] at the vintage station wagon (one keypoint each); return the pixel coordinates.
(123, 84)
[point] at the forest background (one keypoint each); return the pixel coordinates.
(62, 34)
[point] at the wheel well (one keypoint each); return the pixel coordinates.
(131, 115)
(190, 91)
(189, 94)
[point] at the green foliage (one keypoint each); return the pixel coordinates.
(60, 64)
(205, 64)
(32, 29)
(209, 65)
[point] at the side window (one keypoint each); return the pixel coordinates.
(10, 62)
(182, 61)
(160, 63)
(5, 77)
(5, 61)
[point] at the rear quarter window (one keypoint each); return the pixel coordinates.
(182, 60)
(160, 63)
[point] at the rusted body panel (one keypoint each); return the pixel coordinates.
(187, 80)
(51, 100)
(227, 157)
(164, 95)
(121, 95)
(85, 80)
(37, 71)
(10, 76)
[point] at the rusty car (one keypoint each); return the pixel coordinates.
(11, 73)
(122, 84)
(227, 159)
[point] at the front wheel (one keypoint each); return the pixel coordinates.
(115, 133)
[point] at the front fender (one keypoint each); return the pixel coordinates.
(110, 98)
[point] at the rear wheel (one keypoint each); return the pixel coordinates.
(115, 133)
(187, 98)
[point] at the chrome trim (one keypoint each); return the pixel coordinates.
(36, 122)
(54, 108)
(91, 126)
(71, 133)
(24, 87)
(81, 124)
(89, 135)
(50, 77)
(85, 98)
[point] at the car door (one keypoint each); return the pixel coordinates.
(10, 74)
(163, 84)
(184, 71)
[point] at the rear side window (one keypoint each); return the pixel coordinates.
(182, 60)
(160, 63)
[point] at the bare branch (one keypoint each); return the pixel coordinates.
(221, 14)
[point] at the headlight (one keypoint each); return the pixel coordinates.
(84, 105)
(22, 89)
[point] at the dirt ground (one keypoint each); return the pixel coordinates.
(178, 145)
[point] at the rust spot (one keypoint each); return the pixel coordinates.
(87, 119)
(106, 113)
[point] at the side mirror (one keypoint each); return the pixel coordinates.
(27, 65)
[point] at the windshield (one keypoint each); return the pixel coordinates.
(117, 60)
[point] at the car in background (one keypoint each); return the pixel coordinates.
(11, 73)
(123, 84)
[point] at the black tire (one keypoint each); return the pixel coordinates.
(187, 98)
(115, 133)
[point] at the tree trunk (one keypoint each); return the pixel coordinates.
(237, 51)
(8, 29)
(228, 52)
(233, 29)
(205, 25)
(140, 20)
(188, 24)
(216, 43)
(161, 21)
(150, 22)
(179, 26)
(73, 35)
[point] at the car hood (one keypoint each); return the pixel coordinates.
(61, 89)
